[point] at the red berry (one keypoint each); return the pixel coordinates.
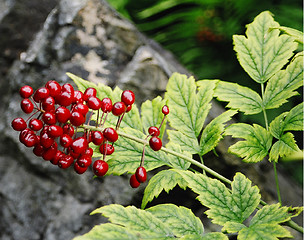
(155, 143)
(50, 152)
(79, 145)
(165, 110)
(129, 107)
(128, 97)
(26, 105)
(45, 140)
(110, 134)
(78, 169)
(118, 108)
(68, 129)
(65, 98)
(48, 104)
(77, 118)
(18, 124)
(23, 134)
(67, 88)
(100, 168)
(38, 150)
(133, 182)
(141, 174)
(97, 137)
(88, 93)
(78, 97)
(54, 88)
(89, 151)
(106, 149)
(94, 103)
(29, 140)
(82, 108)
(58, 155)
(49, 118)
(106, 105)
(84, 160)
(41, 93)
(62, 114)
(65, 161)
(55, 131)
(35, 124)
(154, 131)
(65, 140)
(26, 91)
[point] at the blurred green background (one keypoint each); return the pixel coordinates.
(199, 33)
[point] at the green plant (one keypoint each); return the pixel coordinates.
(269, 58)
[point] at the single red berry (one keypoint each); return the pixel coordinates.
(41, 93)
(118, 108)
(48, 104)
(58, 155)
(84, 160)
(65, 161)
(26, 91)
(78, 169)
(77, 118)
(79, 145)
(78, 97)
(155, 143)
(65, 98)
(82, 108)
(141, 174)
(54, 88)
(165, 110)
(94, 103)
(89, 151)
(19, 124)
(62, 114)
(67, 88)
(49, 118)
(68, 129)
(129, 107)
(23, 134)
(106, 149)
(154, 131)
(106, 105)
(26, 105)
(55, 131)
(88, 93)
(97, 137)
(50, 152)
(65, 140)
(128, 97)
(29, 140)
(133, 182)
(110, 134)
(45, 140)
(38, 149)
(100, 168)
(35, 124)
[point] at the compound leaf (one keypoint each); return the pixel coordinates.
(178, 162)
(241, 98)
(180, 219)
(263, 53)
(208, 236)
(298, 35)
(256, 144)
(212, 133)
(163, 180)
(283, 84)
(187, 143)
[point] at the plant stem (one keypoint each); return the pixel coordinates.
(202, 161)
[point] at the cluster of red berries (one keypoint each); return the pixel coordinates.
(155, 143)
(56, 112)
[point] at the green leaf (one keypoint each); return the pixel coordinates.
(151, 114)
(224, 206)
(136, 220)
(288, 121)
(263, 52)
(265, 224)
(187, 108)
(178, 162)
(212, 133)
(283, 84)
(163, 180)
(241, 98)
(180, 219)
(208, 236)
(186, 143)
(256, 145)
(296, 34)
(285, 146)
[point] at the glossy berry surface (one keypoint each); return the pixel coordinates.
(53, 87)
(89, 92)
(97, 137)
(35, 124)
(133, 182)
(154, 131)
(40, 94)
(78, 169)
(79, 145)
(118, 108)
(55, 131)
(19, 124)
(26, 105)
(48, 104)
(141, 174)
(155, 143)
(65, 140)
(65, 99)
(106, 105)
(106, 149)
(128, 97)
(77, 119)
(26, 91)
(84, 160)
(49, 118)
(165, 110)
(94, 103)
(62, 114)
(110, 134)
(100, 168)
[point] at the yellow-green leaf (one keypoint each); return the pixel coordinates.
(298, 35)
